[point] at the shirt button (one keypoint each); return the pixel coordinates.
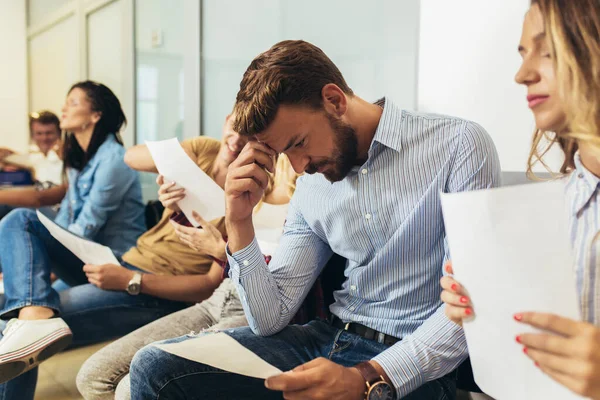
(73, 201)
(364, 171)
(246, 263)
(352, 308)
(353, 287)
(368, 216)
(580, 176)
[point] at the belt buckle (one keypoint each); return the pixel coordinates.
(347, 326)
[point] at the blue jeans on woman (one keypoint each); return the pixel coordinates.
(155, 372)
(28, 253)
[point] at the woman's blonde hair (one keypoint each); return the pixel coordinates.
(573, 32)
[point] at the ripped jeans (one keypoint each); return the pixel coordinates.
(105, 375)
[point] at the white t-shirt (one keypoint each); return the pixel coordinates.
(48, 168)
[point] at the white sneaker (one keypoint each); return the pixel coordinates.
(26, 343)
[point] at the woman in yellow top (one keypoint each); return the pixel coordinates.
(186, 264)
(560, 46)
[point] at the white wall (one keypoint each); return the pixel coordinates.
(38, 10)
(374, 44)
(53, 65)
(74, 40)
(467, 62)
(13, 75)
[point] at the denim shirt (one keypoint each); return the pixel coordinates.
(104, 200)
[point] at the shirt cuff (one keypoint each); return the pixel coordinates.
(246, 260)
(401, 368)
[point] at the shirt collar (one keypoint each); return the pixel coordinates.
(389, 129)
(587, 184)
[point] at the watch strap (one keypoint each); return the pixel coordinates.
(137, 278)
(368, 371)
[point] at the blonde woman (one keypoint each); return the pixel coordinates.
(560, 46)
(105, 374)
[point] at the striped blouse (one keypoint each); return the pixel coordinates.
(583, 198)
(385, 218)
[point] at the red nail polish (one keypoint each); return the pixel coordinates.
(448, 269)
(464, 300)
(518, 339)
(454, 287)
(525, 350)
(468, 311)
(537, 364)
(518, 317)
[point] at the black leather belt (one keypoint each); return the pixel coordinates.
(364, 331)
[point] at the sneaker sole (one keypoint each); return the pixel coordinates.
(21, 361)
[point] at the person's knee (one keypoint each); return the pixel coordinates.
(146, 360)
(83, 381)
(96, 378)
(17, 217)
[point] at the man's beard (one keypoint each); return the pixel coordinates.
(344, 155)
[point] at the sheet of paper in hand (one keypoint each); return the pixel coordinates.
(220, 350)
(511, 250)
(87, 251)
(202, 194)
(19, 160)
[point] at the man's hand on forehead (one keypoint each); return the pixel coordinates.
(259, 154)
(255, 139)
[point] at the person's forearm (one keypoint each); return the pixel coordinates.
(239, 233)
(139, 158)
(259, 293)
(185, 288)
(30, 197)
(422, 356)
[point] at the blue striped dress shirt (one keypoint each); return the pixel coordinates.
(583, 198)
(385, 219)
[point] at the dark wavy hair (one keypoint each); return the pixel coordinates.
(112, 119)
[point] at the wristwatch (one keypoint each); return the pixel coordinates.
(377, 387)
(135, 284)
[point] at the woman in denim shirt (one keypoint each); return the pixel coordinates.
(103, 203)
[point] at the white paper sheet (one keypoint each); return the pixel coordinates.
(220, 350)
(202, 194)
(510, 249)
(87, 251)
(20, 160)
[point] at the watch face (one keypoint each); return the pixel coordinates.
(381, 391)
(133, 288)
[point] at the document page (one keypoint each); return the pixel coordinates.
(220, 350)
(510, 249)
(87, 251)
(202, 194)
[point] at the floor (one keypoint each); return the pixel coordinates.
(56, 379)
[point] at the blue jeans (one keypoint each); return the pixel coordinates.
(28, 253)
(155, 372)
(4, 210)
